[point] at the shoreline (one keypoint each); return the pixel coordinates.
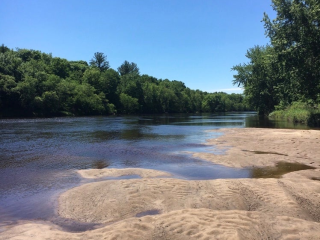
(166, 208)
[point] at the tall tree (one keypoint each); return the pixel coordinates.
(3, 48)
(258, 79)
(99, 60)
(295, 35)
(289, 69)
(127, 68)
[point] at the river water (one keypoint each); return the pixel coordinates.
(38, 157)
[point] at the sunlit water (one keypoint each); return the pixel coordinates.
(38, 157)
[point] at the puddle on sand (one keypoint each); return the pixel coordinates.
(149, 212)
(262, 152)
(277, 171)
(69, 225)
(315, 178)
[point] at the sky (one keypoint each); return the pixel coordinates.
(193, 41)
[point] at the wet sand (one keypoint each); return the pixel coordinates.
(114, 172)
(264, 208)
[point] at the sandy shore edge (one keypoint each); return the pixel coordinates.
(117, 172)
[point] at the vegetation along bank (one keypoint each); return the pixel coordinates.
(284, 76)
(33, 83)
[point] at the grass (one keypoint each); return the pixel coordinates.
(299, 112)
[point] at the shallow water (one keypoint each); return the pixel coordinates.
(38, 157)
(149, 212)
(278, 170)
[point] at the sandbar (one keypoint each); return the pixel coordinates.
(259, 147)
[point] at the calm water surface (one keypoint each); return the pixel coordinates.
(38, 157)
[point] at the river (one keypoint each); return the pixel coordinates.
(38, 157)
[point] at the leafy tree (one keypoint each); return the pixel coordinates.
(10, 63)
(128, 103)
(77, 69)
(295, 35)
(168, 100)
(151, 103)
(27, 55)
(258, 79)
(289, 69)
(99, 60)
(60, 67)
(86, 102)
(8, 97)
(92, 77)
(130, 84)
(108, 84)
(211, 103)
(27, 91)
(47, 104)
(127, 68)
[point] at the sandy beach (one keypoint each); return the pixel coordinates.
(157, 206)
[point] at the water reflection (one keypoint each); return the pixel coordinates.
(277, 171)
(264, 122)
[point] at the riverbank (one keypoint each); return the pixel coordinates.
(167, 208)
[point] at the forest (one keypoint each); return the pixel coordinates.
(283, 78)
(36, 84)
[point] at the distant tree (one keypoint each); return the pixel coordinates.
(127, 68)
(3, 48)
(99, 60)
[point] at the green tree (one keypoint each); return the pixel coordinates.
(9, 99)
(99, 60)
(128, 104)
(108, 84)
(258, 78)
(127, 68)
(3, 48)
(86, 101)
(212, 103)
(295, 35)
(60, 67)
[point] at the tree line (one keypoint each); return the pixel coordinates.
(286, 72)
(33, 83)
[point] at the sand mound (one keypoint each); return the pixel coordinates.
(114, 172)
(110, 201)
(248, 147)
(202, 224)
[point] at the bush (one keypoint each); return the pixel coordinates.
(299, 112)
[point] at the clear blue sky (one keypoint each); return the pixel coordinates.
(193, 41)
